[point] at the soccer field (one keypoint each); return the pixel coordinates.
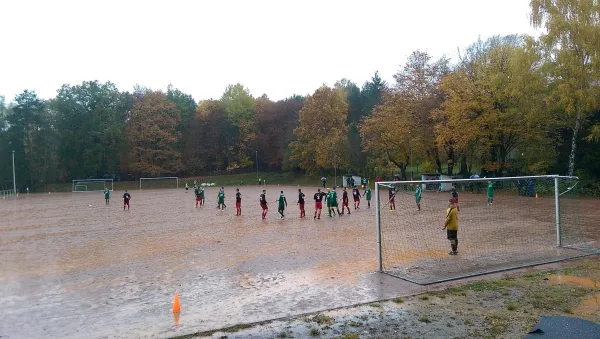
(74, 270)
(70, 269)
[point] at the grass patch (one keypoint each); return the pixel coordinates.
(549, 297)
(424, 297)
(498, 323)
(282, 334)
(376, 305)
(468, 322)
(321, 319)
(494, 285)
(314, 332)
(512, 305)
(398, 300)
(353, 323)
(424, 319)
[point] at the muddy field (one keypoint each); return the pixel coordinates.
(69, 269)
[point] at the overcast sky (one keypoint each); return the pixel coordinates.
(279, 47)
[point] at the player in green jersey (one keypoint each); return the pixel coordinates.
(490, 192)
(418, 197)
(333, 202)
(282, 204)
(221, 199)
(201, 194)
(367, 194)
(106, 195)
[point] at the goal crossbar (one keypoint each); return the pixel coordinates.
(90, 182)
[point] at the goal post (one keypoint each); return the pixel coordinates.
(159, 182)
(92, 185)
(504, 223)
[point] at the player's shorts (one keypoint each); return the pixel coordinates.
(356, 199)
(264, 206)
(452, 234)
(345, 203)
(198, 198)
(238, 204)
(334, 204)
(455, 199)
(418, 199)
(393, 199)
(301, 204)
(221, 202)
(318, 205)
(125, 202)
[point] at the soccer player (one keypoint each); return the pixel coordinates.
(367, 194)
(126, 198)
(392, 195)
(186, 187)
(356, 195)
(345, 201)
(418, 197)
(196, 194)
(455, 197)
(263, 204)
(301, 203)
(282, 204)
(106, 195)
(319, 203)
(490, 192)
(451, 226)
(238, 202)
(201, 194)
(324, 181)
(333, 202)
(221, 199)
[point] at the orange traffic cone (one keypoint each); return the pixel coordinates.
(176, 305)
(176, 318)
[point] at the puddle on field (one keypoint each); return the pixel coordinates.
(588, 305)
(580, 281)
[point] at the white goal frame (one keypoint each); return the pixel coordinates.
(82, 182)
(160, 178)
(379, 203)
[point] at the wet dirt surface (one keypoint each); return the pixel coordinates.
(498, 306)
(71, 270)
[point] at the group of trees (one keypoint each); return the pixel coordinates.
(508, 105)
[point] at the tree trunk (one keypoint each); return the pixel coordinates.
(438, 162)
(450, 161)
(403, 171)
(464, 170)
(574, 145)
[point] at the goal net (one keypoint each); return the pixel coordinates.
(92, 185)
(159, 182)
(504, 223)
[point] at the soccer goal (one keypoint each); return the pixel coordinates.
(92, 185)
(504, 223)
(159, 182)
(6, 194)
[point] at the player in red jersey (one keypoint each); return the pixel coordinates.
(263, 204)
(345, 201)
(301, 203)
(318, 203)
(126, 198)
(238, 202)
(356, 195)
